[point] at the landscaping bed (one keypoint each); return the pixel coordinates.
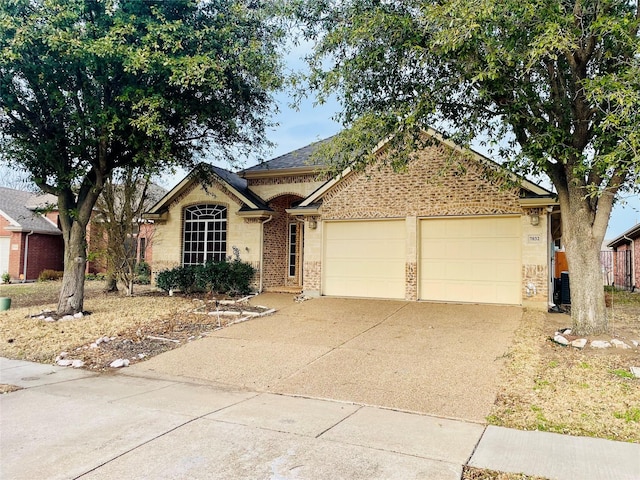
(113, 326)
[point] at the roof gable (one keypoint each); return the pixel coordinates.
(234, 183)
(529, 189)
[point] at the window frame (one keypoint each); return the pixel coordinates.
(204, 233)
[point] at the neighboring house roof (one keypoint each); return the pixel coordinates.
(632, 234)
(18, 207)
(297, 160)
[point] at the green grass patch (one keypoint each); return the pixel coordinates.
(630, 415)
(622, 373)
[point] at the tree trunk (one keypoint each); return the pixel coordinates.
(111, 283)
(75, 260)
(582, 238)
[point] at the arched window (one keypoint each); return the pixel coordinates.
(205, 234)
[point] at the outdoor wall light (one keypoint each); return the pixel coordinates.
(535, 219)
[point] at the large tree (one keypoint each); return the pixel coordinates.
(555, 85)
(89, 86)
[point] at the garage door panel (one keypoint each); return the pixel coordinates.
(470, 260)
(364, 259)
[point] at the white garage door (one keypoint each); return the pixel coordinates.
(5, 245)
(471, 260)
(364, 259)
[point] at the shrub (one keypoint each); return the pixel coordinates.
(233, 278)
(47, 275)
(6, 277)
(142, 273)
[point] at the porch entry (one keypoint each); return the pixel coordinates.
(283, 240)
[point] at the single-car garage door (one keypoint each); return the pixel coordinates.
(364, 259)
(471, 260)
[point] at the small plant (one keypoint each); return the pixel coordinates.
(622, 373)
(230, 277)
(6, 278)
(47, 275)
(631, 415)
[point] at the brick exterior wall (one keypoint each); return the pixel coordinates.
(45, 253)
(431, 186)
(276, 243)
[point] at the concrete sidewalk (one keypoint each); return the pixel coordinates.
(74, 424)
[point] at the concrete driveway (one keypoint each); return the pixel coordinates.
(430, 358)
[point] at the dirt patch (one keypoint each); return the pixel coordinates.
(472, 473)
(559, 389)
(4, 388)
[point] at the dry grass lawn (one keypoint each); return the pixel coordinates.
(588, 392)
(129, 321)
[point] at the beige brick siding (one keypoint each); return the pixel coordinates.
(272, 187)
(430, 186)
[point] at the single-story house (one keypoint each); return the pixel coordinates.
(626, 261)
(431, 232)
(30, 240)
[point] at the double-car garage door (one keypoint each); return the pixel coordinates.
(475, 259)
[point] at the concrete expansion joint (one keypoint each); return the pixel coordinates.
(339, 421)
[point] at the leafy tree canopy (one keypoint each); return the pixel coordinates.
(91, 85)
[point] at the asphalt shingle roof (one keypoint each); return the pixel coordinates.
(300, 158)
(240, 184)
(18, 205)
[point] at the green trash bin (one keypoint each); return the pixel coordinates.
(5, 303)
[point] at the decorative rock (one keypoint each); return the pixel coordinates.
(635, 343)
(600, 344)
(49, 319)
(94, 345)
(78, 315)
(67, 318)
(579, 343)
(619, 344)
(77, 364)
(559, 339)
(64, 354)
(119, 363)
(64, 362)
(635, 371)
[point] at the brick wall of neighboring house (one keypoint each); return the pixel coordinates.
(436, 183)
(620, 265)
(45, 253)
(276, 244)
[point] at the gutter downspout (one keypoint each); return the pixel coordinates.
(262, 224)
(633, 263)
(26, 255)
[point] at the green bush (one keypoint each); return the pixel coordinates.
(47, 275)
(233, 278)
(143, 273)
